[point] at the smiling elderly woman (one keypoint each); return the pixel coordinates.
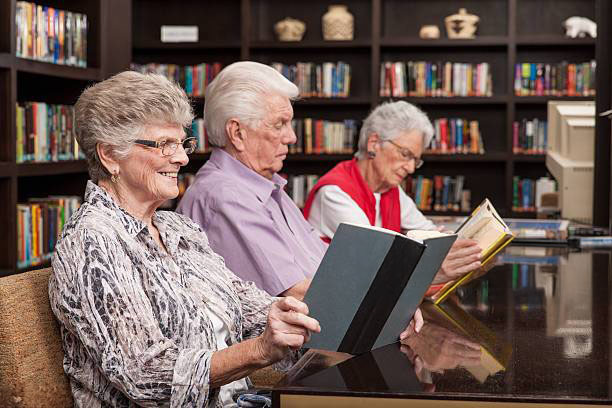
(365, 190)
(149, 314)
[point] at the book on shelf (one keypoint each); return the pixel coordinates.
(527, 193)
(326, 80)
(529, 136)
(487, 228)
(369, 284)
(45, 133)
(435, 79)
(442, 193)
(525, 228)
(39, 225)
(315, 136)
(51, 35)
(198, 130)
(456, 136)
(495, 351)
(194, 79)
(560, 79)
(298, 187)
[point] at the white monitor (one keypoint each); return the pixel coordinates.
(569, 156)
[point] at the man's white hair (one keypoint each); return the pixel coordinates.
(239, 92)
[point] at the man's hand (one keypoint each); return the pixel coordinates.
(463, 257)
(288, 327)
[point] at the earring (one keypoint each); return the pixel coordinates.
(371, 155)
(115, 178)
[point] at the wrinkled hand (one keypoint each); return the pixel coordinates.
(440, 348)
(463, 257)
(288, 327)
(414, 326)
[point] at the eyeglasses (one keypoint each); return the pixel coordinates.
(407, 154)
(168, 147)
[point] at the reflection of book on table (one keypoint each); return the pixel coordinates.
(369, 284)
(495, 351)
(486, 227)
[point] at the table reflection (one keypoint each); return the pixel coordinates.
(540, 318)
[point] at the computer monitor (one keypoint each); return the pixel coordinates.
(569, 156)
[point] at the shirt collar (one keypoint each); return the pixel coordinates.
(100, 199)
(259, 185)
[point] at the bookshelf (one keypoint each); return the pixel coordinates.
(24, 80)
(510, 32)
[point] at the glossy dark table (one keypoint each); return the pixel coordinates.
(544, 315)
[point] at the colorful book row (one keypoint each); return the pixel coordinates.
(326, 80)
(435, 79)
(39, 225)
(529, 136)
(456, 135)
(527, 193)
(442, 193)
(45, 133)
(298, 187)
(199, 132)
(315, 136)
(192, 78)
(561, 79)
(50, 35)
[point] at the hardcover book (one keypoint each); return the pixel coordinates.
(369, 284)
(486, 227)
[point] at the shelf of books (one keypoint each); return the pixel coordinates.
(42, 173)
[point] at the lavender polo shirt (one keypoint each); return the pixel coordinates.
(253, 224)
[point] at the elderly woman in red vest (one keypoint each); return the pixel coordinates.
(365, 190)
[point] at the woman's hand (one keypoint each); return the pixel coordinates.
(288, 327)
(463, 257)
(414, 326)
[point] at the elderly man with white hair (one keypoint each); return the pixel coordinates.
(365, 190)
(237, 196)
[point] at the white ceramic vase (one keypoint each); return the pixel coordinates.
(338, 24)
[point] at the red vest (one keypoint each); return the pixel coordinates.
(347, 176)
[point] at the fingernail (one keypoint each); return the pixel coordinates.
(403, 335)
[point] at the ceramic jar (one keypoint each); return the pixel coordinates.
(338, 24)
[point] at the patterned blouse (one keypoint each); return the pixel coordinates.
(133, 318)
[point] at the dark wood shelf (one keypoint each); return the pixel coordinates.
(487, 157)
(201, 45)
(5, 60)
(6, 169)
(545, 99)
(552, 40)
(332, 157)
(51, 168)
(55, 70)
(265, 45)
(522, 214)
(529, 158)
(446, 213)
(451, 100)
(485, 41)
(333, 101)
(198, 156)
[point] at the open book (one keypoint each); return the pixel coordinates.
(486, 227)
(495, 351)
(369, 284)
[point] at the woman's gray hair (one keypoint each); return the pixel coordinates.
(115, 112)
(391, 119)
(238, 92)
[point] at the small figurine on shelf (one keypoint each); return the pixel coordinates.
(290, 29)
(461, 25)
(579, 27)
(429, 32)
(338, 24)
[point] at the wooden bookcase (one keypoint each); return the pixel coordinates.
(24, 80)
(510, 31)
